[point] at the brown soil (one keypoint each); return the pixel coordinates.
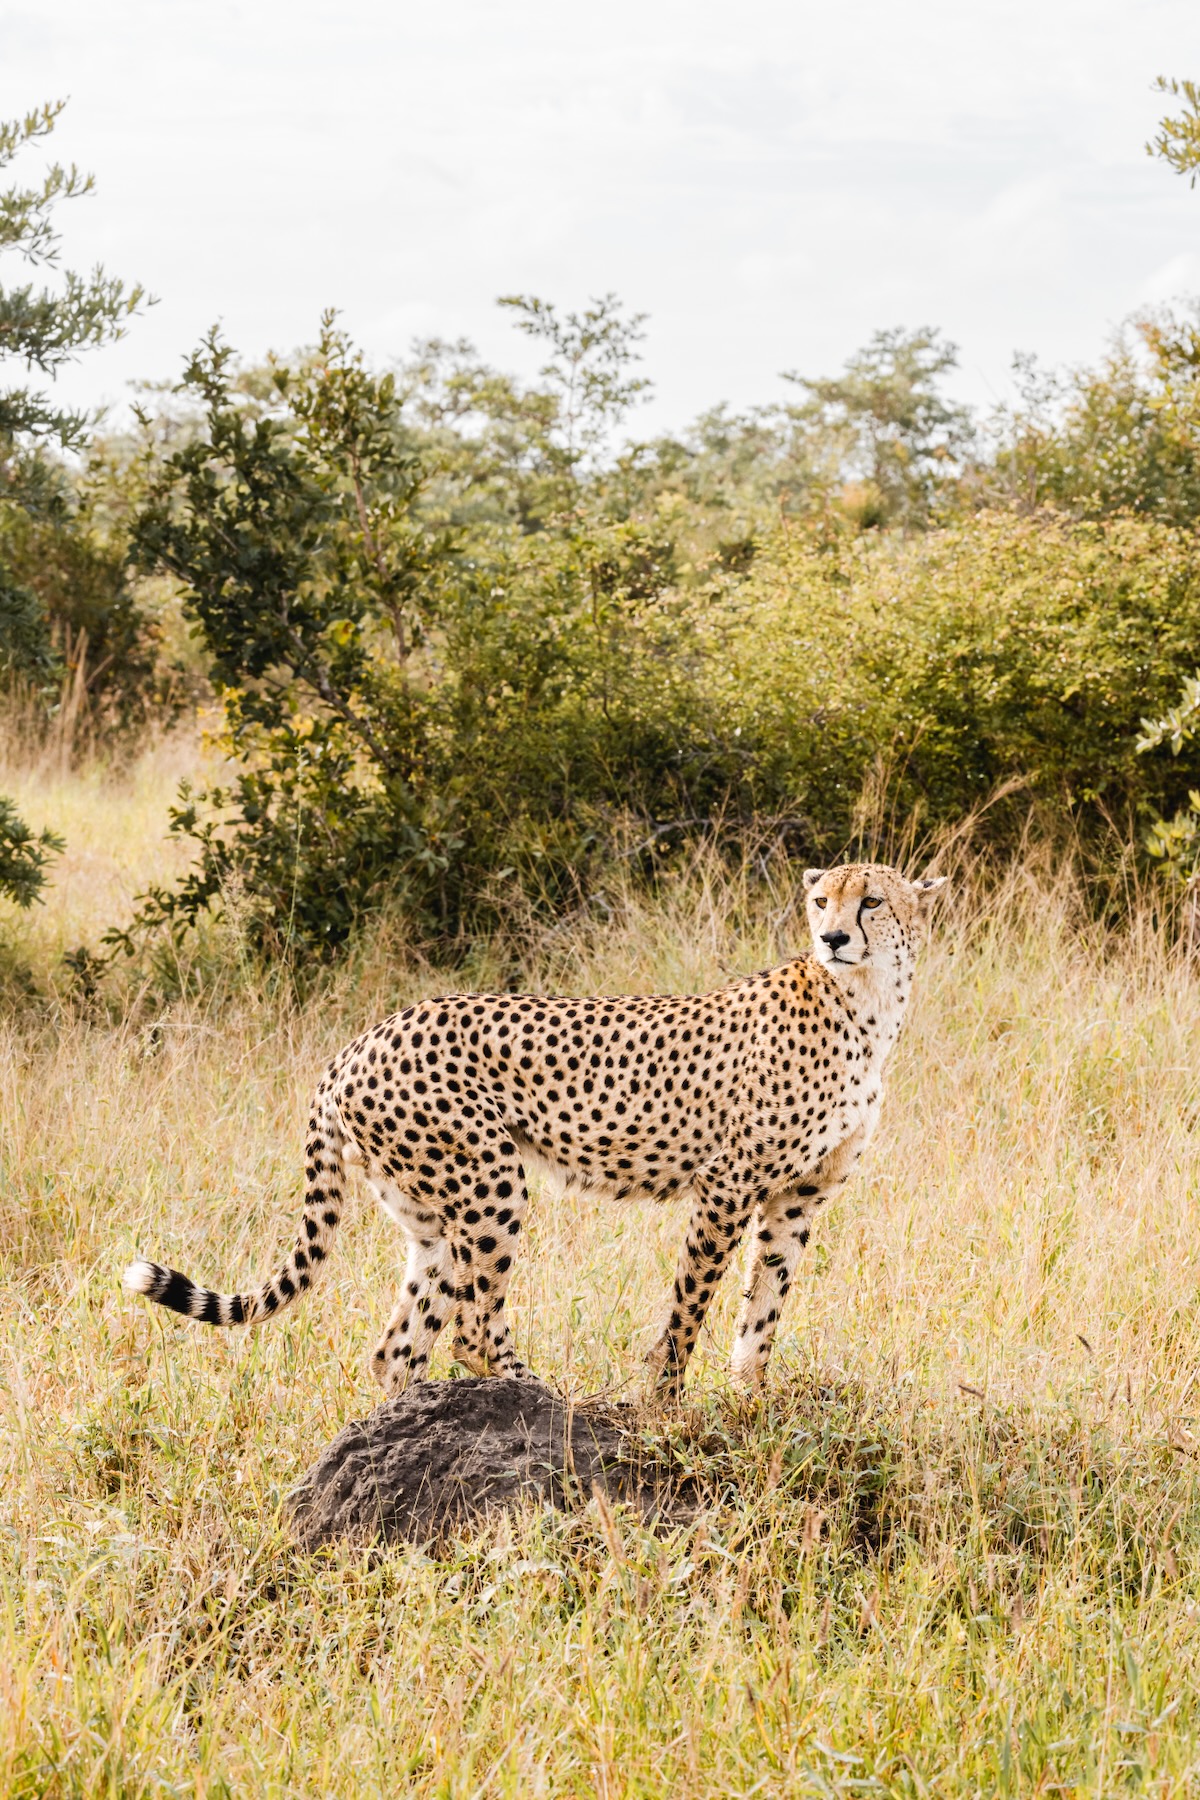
(446, 1453)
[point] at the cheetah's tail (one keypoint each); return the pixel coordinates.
(325, 1154)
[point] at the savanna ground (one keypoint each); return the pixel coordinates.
(955, 1550)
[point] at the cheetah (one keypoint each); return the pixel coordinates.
(755, 1101)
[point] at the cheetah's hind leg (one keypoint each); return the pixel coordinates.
(425, 1304)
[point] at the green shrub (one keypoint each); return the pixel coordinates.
(431, 714)
(1004, 649)
(67, 606)
(1121, 437)
(24, 856)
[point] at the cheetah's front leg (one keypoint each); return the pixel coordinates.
(725, 1198)
(778, 1237)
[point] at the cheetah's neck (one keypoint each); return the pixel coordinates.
(877, 999)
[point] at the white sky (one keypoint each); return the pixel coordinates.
(769, 181)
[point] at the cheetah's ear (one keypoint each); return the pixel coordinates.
(812, 876)
(927, 891)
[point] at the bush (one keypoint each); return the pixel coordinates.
(24, 856)
(1122, 437)
(67, 608)
(1003, 649)
(429, 713)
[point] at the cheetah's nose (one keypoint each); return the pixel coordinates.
(835, 939)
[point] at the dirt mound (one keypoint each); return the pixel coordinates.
(447, 1452)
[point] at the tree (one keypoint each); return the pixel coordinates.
(415, 705)
(1176, 841)
(1124, 436)
(1121, 437)
(41, 327)
(1178, 140)
(587, 375)
(885, 425)
(24, 855)
(291, 531)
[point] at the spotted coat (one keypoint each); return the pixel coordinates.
(755, 1101)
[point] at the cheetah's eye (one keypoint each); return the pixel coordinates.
(819, 902)
(870, 905)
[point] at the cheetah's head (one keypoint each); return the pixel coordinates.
(865, 914)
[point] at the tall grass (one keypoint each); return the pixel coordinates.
(956, 1549)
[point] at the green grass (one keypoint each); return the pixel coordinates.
(954, 1551)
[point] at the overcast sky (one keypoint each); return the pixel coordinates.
(769, 181)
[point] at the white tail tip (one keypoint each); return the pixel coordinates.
(138, 1278)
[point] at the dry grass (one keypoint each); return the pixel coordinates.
(955, 1551)
(114, 828)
